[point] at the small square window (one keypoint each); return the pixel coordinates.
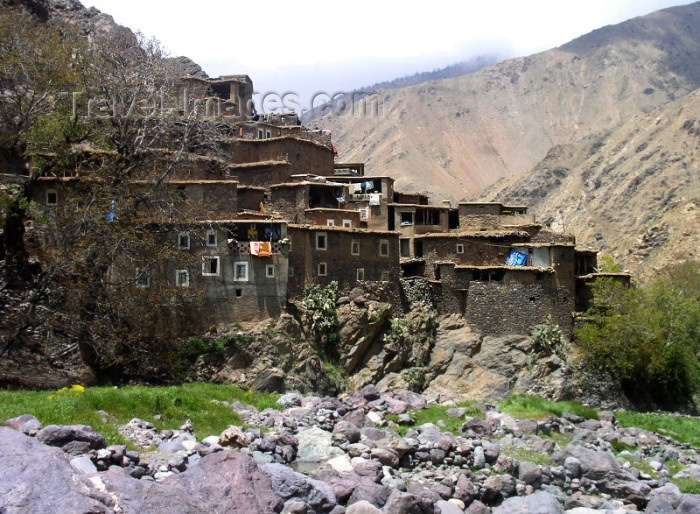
(212, 239)
(321, 241)
(385, 276)
(330, 223)
(51, 197)
(240, 272)
(270, 271)
(239, 292)
(460, 248)
(210, 266)
(322, 269)
(182, 278)
(406, 218)
(347, 223)
(355, 248)
(360, 274)
(383, 248)
(364, 213)
(183, 241)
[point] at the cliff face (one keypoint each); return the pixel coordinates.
(457, 136)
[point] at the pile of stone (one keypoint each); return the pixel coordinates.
(345, 455)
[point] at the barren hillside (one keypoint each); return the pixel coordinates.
(454, 137)
(632, 192)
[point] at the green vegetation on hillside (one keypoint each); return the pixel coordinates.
(649, 337)
(104, 408)
(437, 414)
(681, 428)
(523, 406)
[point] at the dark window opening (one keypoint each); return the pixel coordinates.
(406, 218)
(427, 217)
(453, 219)
(413, 269)
(488, 275)
(405, 247)
(418, 248)
(324, 197)
(438, 275)
(239, 292)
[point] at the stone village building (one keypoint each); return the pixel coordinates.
(275, 213)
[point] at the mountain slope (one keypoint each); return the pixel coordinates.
(456, 136)
(632, 192)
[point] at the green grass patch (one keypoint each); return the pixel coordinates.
(524, 406)
(688, 485)
(521, 454)
(619, 447)
(174, 405)
(435, 413)
(562, 439)
(681, 428)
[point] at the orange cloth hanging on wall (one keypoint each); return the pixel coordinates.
(265, 250)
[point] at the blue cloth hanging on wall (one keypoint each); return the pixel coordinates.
(516, 258)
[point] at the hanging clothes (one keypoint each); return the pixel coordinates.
(375, 199)
(254, 248)
(264, 250)
(357, 188)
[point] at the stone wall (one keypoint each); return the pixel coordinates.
(495, 308)
(304, 156)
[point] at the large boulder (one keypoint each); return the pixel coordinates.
(39, 478)
(226, 481)
(73, 439)
(316, 445)
(290, 484)
(538, 503)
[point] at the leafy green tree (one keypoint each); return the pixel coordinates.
(320, 315)
(648, 336)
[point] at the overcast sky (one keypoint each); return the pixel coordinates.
(320, 45)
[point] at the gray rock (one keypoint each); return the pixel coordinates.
(362, 507)
(595, 465)
(479, 457)
(83, 465)
(42, 483)
(375, 494)
(63, 435)
(477, 507)
(538, 503)
(445, 507)
(290, 484)
(316, 445)
(492, 487)
(491, 451)
(289, 400)
(407, 503)
(233, 437)
(689, 504)
(346, 431)
(26, 423)
(294, 507)
(529, 473)
(573, 467)
(386, 457)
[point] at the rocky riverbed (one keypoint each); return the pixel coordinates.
(334, 455)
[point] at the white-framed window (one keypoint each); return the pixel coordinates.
(51, 197)
(459, 248)
(270, 271)
(183, 241)
(385, 276)
(321, 241)
(240, 271)
(355, 248)
(142, 279)
(260, 133)
(347, 223)
(212, 239)
(383, 248)
(268, 134)
(210, 266)
(330, 223)
(182, 278)
(360, 274)
(322, 269)
(364, 213)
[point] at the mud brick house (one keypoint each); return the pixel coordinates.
(321, 254)
(270, 212)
